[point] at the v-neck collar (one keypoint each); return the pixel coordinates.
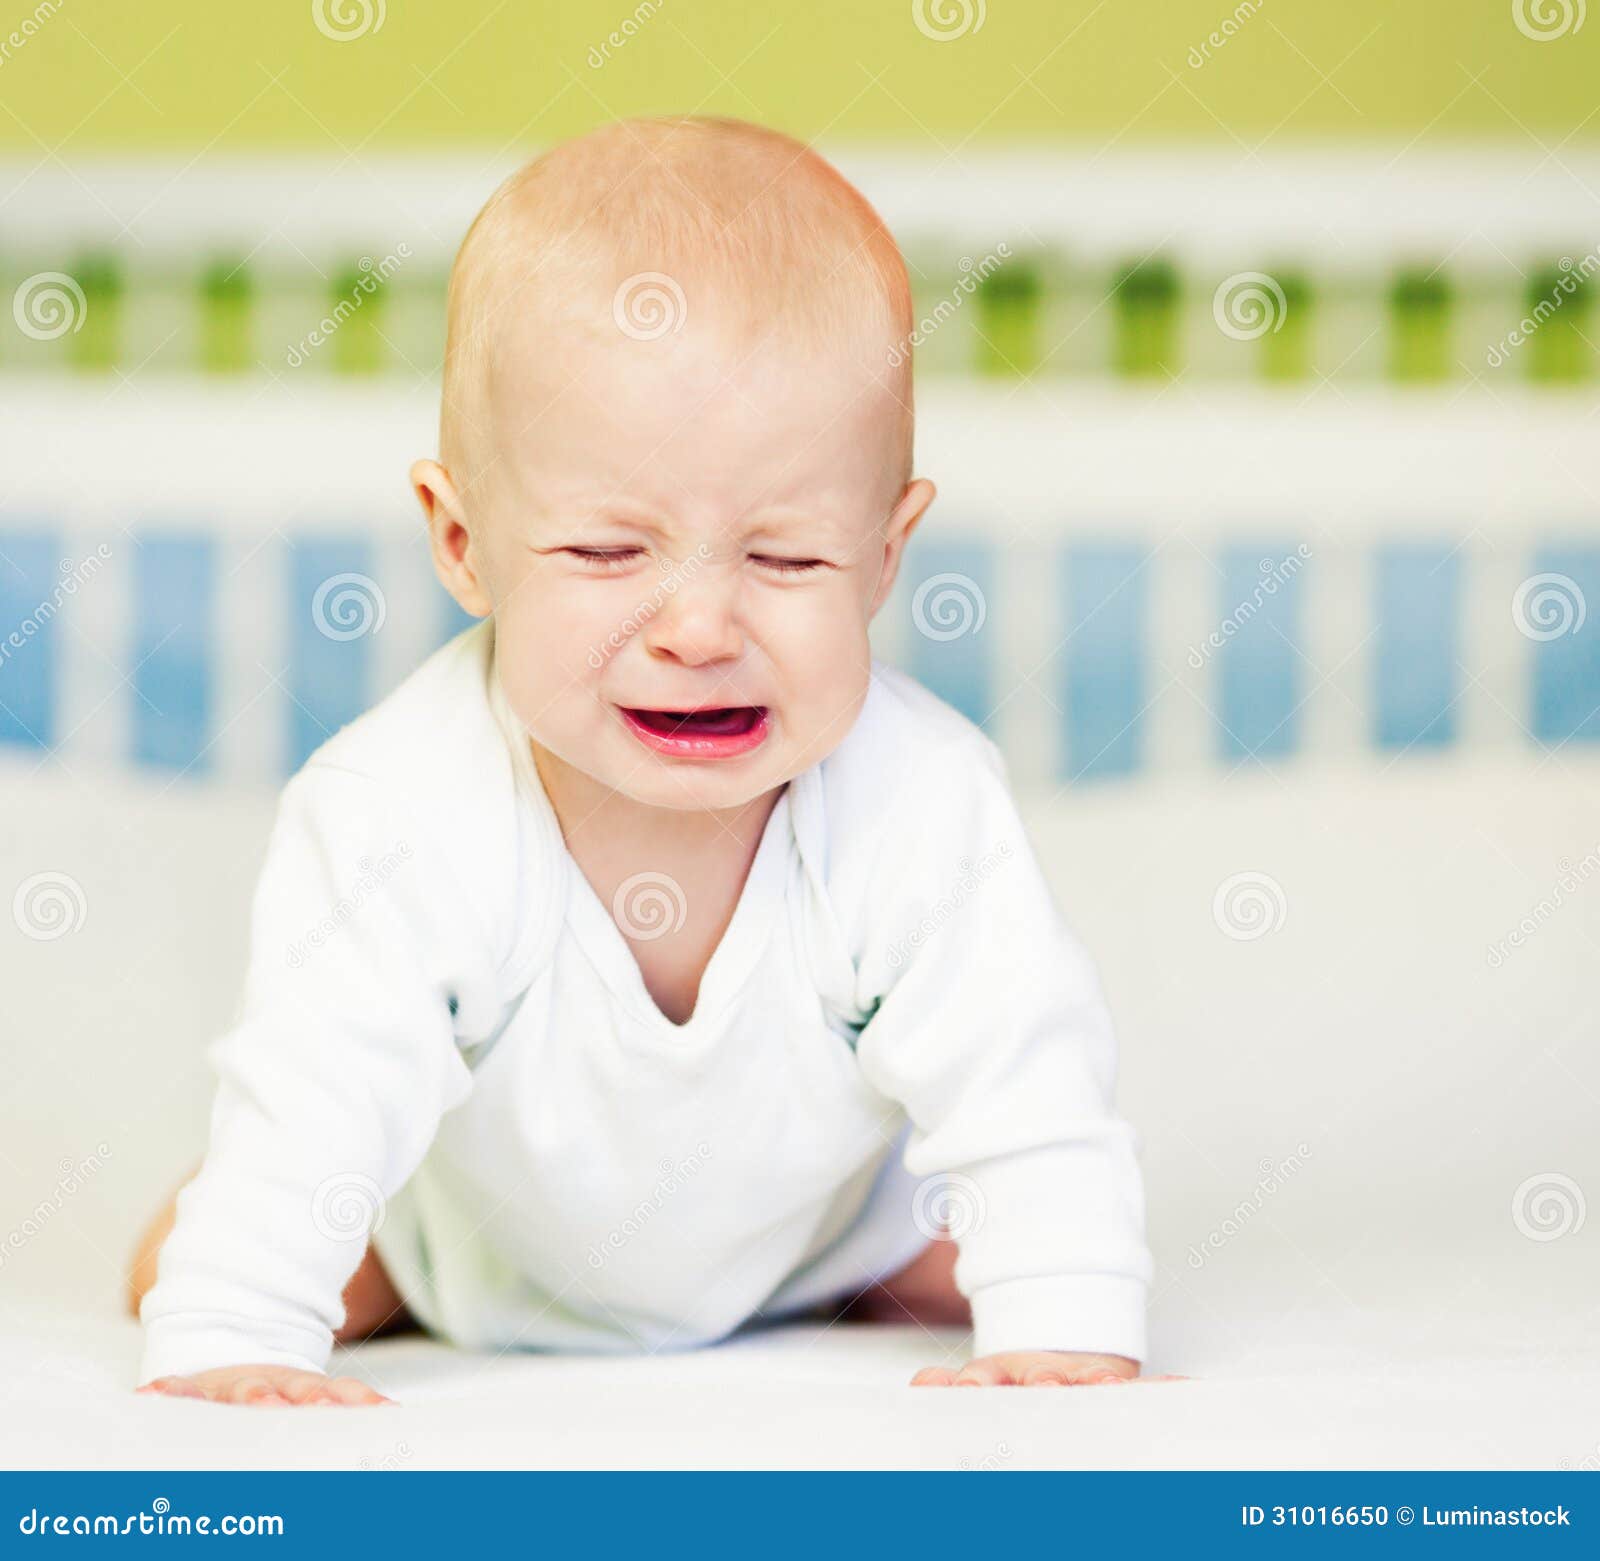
(736, 952)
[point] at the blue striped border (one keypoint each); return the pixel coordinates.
(29, 573)
(1103, 667)
(1100, 676)
(174, 649)
(1415, 667)
(1261, 666)
(1566, 667)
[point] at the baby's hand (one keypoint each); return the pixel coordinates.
(273, 1387)
(1030, 1369)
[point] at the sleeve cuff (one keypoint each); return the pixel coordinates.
(1100, 1314)
(179, 1350)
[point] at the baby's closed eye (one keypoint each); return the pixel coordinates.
(790, 565)
(616, 559)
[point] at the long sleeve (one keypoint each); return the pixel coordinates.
(989, 1026)
(331, 1083)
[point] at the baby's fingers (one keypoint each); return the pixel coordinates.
(267, 1387)
(347, 1390)
(258, 1392)
(173, 1387)
(306, 1389)
(934, 1377)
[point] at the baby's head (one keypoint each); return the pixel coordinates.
(675, 453)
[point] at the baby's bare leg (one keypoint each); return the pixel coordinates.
(142, 1275)
(923, 1291)
(372, 1305)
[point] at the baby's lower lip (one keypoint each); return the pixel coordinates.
(724, 733)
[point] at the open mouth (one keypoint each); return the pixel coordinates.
(714, 732)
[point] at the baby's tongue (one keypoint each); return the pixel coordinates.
(728, 722)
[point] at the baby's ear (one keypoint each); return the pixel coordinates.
(448, 538)
(897, 531)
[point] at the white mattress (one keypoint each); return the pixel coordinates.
(1381, 1306)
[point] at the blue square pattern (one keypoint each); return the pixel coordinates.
(29, 637)
(1260, 669)
(1413, 620)
(1555, 607)
(949, 647)
(1415, 666)
(174, 649)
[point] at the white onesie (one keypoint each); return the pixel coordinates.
(444, 1032)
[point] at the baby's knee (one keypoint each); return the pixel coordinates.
(372, 1305)
(142, 1271)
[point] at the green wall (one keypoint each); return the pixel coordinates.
(98, 75)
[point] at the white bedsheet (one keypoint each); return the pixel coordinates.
(1334, 1389)
(1380, 1305)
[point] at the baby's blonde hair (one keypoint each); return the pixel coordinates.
(730, 217)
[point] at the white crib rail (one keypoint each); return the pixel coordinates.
(277, 479)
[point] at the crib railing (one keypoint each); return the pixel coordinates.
(208, 580)
(1296, 267)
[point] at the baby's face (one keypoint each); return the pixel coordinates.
(683, 542)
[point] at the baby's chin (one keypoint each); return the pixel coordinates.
(690, 787)
(697, 793)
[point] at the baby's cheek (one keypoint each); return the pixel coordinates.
(536, 666)
(827, 652)
(547, 643)
(825, 678)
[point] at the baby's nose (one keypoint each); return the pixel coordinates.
(697, 626)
